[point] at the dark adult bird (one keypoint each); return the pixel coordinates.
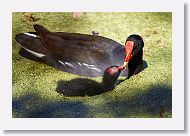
(83, 54)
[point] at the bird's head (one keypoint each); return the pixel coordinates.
(133, 47)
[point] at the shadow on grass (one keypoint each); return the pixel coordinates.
(84, 86)
(33, 106)
(145, 105)
(153, 103)
(79, 87)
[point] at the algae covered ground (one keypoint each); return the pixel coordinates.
(146, 95)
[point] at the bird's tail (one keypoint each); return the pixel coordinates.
(40, 29)
(31, 43)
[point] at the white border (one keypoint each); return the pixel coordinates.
(174, 6)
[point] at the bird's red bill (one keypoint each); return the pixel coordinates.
(128, 48)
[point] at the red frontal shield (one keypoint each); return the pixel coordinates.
(128, 49)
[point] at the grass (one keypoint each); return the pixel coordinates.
(142, 96)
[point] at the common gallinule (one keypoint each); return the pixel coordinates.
(82, 54)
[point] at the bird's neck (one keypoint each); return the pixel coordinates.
(135, 63)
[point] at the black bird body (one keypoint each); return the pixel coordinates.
(81, 54)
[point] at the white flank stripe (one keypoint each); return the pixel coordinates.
(40, 55)
(61, 62)
(97, 69)
(33, 35)
(79, 64)
(88, 65)
(92, 67)
(69, 64)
